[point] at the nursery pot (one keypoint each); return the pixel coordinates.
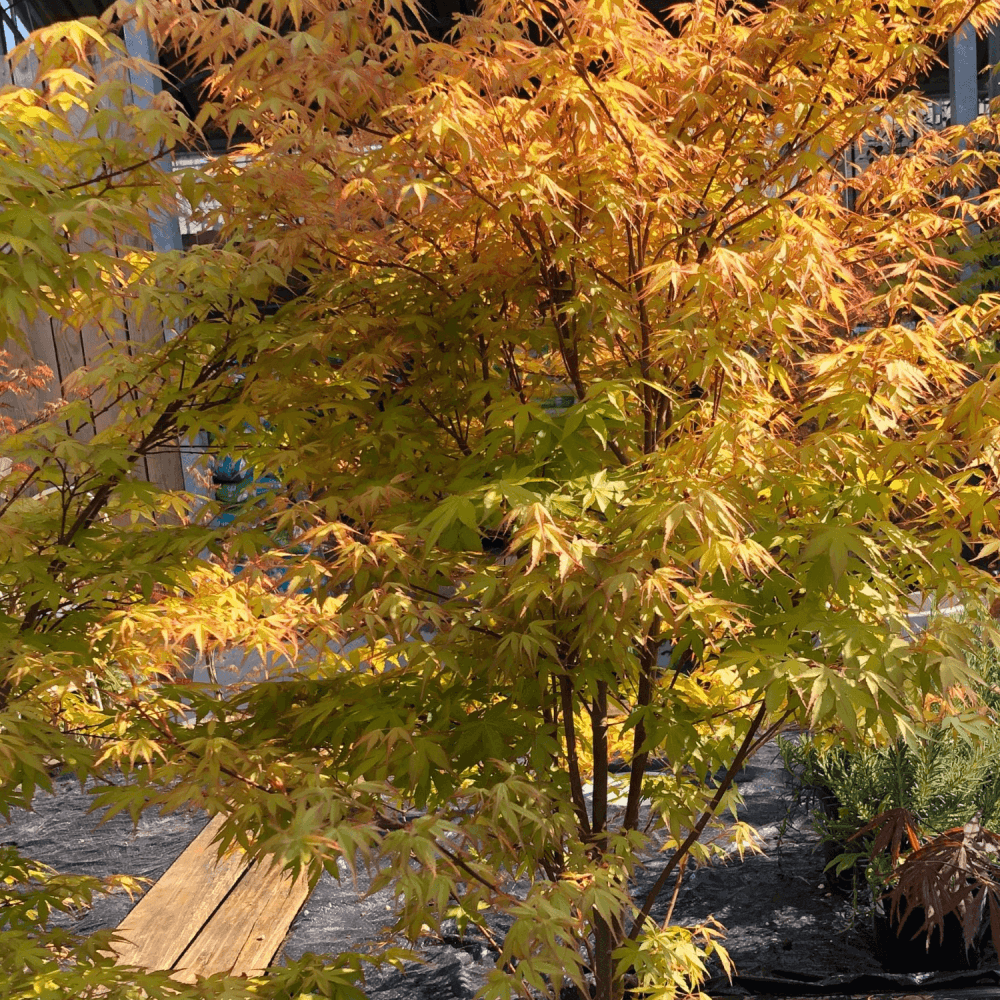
(899, 951)
(842, 884)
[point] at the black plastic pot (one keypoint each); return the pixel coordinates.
(842, 884)
(900, 951)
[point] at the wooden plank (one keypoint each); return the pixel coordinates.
(164, 922)
(40, 349)
(246, 931)
(65, 346)
(25, 71)
(144, 330)
(271, 925)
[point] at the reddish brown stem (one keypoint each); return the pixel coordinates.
(748, 746)
(572, 758)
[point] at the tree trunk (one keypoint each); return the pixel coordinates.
(604, 967)
(607, 935)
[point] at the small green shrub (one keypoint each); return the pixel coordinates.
(943, 779)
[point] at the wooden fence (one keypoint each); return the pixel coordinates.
(64, 348)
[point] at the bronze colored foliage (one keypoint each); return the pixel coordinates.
(954, 872)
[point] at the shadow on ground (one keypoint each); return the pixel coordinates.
(782, 922)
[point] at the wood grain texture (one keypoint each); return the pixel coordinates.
(38, 348)
(244, 934)
(162, 924)
(65, 346)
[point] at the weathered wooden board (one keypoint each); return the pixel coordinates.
(246, 931)
(206, 916)
(66, 346)
(163, 923)
(41, 349)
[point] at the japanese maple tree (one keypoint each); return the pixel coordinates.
(613, 419)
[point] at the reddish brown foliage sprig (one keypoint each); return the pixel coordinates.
(954, 872)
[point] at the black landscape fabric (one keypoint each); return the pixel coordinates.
(786, 932)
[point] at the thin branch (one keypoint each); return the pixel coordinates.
(581, 69)
(640, 756)
(447, 427)
(572, 759)
(466, 867)
(677, 889)
(747, 747)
